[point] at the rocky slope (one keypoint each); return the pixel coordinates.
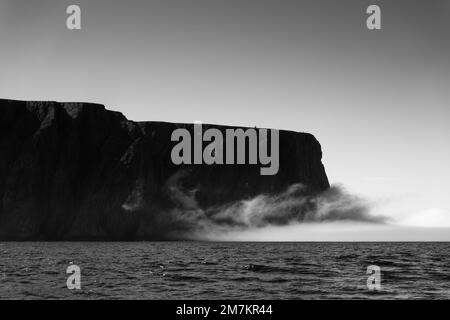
(76, 171)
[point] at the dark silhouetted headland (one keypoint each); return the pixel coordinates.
(76, 171)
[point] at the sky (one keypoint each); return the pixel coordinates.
(377, 100)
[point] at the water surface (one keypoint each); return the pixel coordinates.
(223, 270)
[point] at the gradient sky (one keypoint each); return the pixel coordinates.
(378, 101)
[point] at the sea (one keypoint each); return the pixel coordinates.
(224, 270)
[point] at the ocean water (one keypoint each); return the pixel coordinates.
(224, 270)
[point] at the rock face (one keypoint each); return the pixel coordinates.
(76, 171)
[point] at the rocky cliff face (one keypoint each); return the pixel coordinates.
(78, 171)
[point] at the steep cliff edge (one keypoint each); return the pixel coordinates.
(78, 171)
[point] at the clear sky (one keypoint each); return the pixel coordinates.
(378, 101)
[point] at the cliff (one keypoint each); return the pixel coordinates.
(76, 171)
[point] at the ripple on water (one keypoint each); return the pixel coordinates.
(191, 270)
